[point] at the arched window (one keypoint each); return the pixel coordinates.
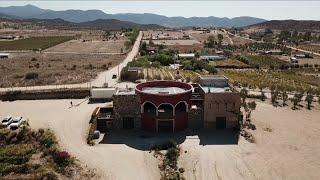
(149, 108)
(165, 111)
(181, 107)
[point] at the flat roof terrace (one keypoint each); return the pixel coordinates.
(163, 90)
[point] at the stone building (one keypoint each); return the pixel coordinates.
(126, 108)
(170, 106)
(221, 102)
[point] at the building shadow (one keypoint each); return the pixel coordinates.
(145, 140)
(218, 137)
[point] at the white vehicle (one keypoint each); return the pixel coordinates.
(6, 121)
(16, 122)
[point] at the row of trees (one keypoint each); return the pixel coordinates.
(296, 37)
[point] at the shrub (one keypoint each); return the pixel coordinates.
(62, 158)
(34, 59)
(31, 75)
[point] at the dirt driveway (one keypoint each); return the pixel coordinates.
(112, 161)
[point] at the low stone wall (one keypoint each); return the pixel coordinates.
(45, 94)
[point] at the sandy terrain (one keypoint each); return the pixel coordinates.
(77, 46)
(112, 161)
(290, 151)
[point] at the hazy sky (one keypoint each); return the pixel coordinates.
(307, 10)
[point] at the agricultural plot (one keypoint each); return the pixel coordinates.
(290, 80)
(83, 47)
(230, 63)
(265, 61)
(29, 69)
(34, 43)
(310, 47)
(184, 42)
(166, 73)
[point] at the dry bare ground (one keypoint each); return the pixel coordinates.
(290, 151)
(78, 46)
(53, 68)
(111, 161)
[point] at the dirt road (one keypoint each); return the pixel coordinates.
(103, 77)
(112, 161)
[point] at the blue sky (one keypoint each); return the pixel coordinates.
(301, 10)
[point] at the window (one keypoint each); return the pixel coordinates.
(128, 122)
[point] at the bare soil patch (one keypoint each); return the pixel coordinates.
(29, 69)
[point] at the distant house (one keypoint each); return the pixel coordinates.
(186, 56)
(4, 55)
(7, 37)
(212, 57)
(274, 52)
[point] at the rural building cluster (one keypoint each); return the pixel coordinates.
(170, 106)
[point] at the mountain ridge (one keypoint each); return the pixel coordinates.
(78, 16)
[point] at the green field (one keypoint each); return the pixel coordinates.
(34, 43)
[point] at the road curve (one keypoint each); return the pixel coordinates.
(103, 77)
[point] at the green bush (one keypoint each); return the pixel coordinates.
(31, 75)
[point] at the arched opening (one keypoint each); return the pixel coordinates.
(149, 108)
(181, 107)
(166, 111)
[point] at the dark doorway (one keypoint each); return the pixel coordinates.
(221, 122)
(165, 126)
(128, 123)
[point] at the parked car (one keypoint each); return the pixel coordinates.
(114, 76)
(16, 122)
(6, 121)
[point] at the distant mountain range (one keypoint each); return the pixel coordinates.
(80, 16)
(289, 25)
(104, 24)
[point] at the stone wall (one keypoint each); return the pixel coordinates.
(45, 94)
(126, 105)
(221, 105)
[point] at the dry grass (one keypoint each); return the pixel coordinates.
(53, 68)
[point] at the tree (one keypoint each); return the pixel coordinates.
(284, 97)
(243, 95)
(296, 99)
(309, 99)
(220, 38)
(252, 106)
(211, 42)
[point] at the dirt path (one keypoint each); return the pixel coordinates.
(112, 161)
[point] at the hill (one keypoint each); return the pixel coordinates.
(289, 25)
(79, 16)
(103, 24)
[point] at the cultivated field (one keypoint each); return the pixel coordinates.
(184, 42)
(95, 46)
(33, 43)
(166, 73)
(29, 69)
